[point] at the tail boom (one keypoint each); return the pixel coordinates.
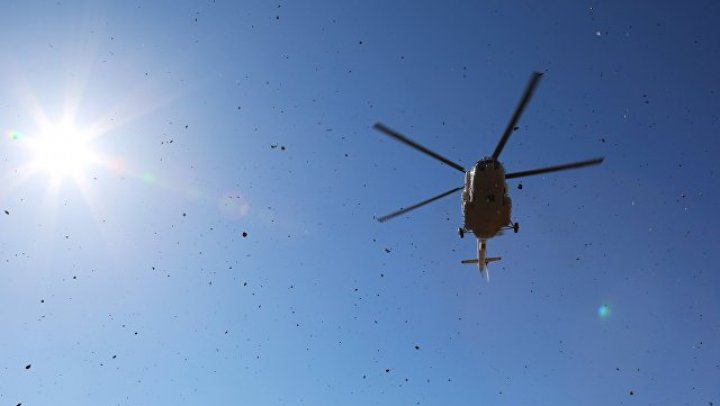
(482, 260)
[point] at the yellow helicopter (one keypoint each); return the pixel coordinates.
(486, 205)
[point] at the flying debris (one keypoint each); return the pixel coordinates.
(486, 205)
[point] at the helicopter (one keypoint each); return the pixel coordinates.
(486, 205)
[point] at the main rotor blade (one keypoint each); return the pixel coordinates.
(381, 127)
(418, 205)
(573, 165)
(534, 79)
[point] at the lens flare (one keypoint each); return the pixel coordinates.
(117, 165)
(233, 206)
(14, 135)
(603, 311)
(148, 177)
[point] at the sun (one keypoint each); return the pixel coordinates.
(61, 150)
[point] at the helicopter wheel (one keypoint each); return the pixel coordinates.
(461, 232)
(516, 227)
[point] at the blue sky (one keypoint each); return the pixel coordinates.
(130, 281)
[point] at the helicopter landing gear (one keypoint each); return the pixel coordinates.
(461, 232)
(516, 227)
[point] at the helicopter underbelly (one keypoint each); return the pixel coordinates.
(487, 207)
(486, 220)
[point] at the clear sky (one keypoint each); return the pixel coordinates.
(188, 192)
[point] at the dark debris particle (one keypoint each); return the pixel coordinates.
(387, 370)
(387, 250)
(519, 186)
(516, 128)
(42, 300)
(114, 356)
(244, 234)
(282, 148)
(417, 347)
(184, 214)
(632, 393)
(28, 366)
(7, 212)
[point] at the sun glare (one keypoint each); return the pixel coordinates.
(61, 151)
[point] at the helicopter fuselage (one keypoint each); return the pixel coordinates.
(486, 205)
